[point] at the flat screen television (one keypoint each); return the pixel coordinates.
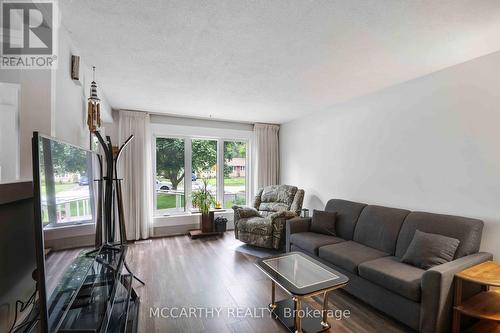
(65, 191)
(17, 250)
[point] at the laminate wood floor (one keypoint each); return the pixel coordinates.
(180, 272)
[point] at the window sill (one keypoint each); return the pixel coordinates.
(185, 218)
(67, 231)
(192, 213)
(63, 225)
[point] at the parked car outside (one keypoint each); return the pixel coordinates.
(83, 181)
(163, 186)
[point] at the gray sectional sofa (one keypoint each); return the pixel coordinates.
(368, 245)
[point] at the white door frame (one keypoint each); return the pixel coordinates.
(9, 146)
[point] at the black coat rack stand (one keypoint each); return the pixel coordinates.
(111, 213)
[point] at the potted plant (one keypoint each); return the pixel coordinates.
(204, 200)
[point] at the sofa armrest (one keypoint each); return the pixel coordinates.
(437, 292)
(295, 225)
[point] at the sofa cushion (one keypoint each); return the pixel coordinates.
(323, 222)
(378, 227)
(427, 250)
(468, 231)
(349, 255)
(311, 241)
(347, 216)
(390, 273)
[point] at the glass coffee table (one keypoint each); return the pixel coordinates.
(301, 276)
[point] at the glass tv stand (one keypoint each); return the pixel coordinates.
(104, 302)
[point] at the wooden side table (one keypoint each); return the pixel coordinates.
(485, 305)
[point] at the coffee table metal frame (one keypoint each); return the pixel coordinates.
(298, 295)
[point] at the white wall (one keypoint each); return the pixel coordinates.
(35, 109)
(70, 118)
(70, 103)
(52, 103)
(429, 144)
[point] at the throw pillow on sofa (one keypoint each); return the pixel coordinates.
(427, 250)
(323, 222)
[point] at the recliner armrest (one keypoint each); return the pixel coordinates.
(284, 213)
(296, 225)
(298, 199)
(245, 211)
(437, 291)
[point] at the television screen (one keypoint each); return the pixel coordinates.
(65, 181)
(17, 249)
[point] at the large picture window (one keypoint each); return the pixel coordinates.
(183, 164)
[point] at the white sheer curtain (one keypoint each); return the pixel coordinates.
(136, 170)
(266, 155)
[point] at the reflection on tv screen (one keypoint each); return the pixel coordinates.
(67, 189)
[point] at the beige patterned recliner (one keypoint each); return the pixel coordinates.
(263, 224)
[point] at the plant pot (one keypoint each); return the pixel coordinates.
(207, 222)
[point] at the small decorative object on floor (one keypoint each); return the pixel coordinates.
(485, 305)
(304, 213)
(220, 224)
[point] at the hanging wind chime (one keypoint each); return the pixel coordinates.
(94, 108)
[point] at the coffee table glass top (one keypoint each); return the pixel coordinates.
(300, 274)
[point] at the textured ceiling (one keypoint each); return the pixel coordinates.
(270, 60)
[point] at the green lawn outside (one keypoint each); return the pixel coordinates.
(240, 181)
(229, 203)
(166, 200)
